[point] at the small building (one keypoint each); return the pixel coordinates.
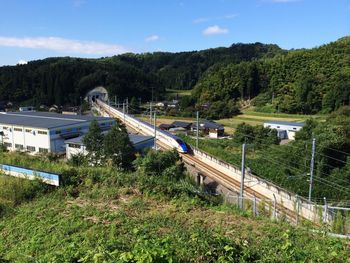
(285, 130)
(210, 128)
(43, 132)
(76, 146)
(165, 127)
(182, 124)
(27, 108)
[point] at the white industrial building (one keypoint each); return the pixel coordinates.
(42, 132)
(285, 130)
(76, 146)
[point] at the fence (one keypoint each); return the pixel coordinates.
(270, 191)
(49, 178)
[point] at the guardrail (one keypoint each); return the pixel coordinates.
(16, 171)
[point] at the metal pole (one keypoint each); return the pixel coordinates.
(242, 177)
(274, 207)
(254, 206)
(312, 167)
(124, 111)
(197, 130)
(127, 105)
(150, 112)
(115, 101)
(325, 212)
(155, 130)
(297, 208)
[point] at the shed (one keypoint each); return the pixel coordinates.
(285, 129)
(213, 129)
(182, 124)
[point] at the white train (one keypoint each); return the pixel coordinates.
(146, 128)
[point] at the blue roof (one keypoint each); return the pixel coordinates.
(45, 120)
(287, 123)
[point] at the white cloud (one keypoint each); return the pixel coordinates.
(63, 45)
(22, 62)
(214, 30)
(206, 19)
(201, 20)
(152, 38)
(282, 1)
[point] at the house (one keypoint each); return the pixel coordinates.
(213, 129)
(43, 132)
(182, 124)
(165, 127)
(285, 130)
(76, 146)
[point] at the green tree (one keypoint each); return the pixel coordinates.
(134, 105)
(93, 142)
(117, 147)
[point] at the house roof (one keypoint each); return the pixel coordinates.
(182, 124)
(134, 139)
(286, 123)
(208, 125)
(45, 120)
(165, 126)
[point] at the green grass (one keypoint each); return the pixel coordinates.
(113, 216)
(180, 92)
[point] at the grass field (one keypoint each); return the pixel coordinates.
(248, 116)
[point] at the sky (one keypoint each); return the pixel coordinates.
(38, 29)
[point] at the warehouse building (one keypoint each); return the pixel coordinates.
(285, 130)
(76, 146)
(43, 132)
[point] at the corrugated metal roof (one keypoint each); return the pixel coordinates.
(287, 123)
(134, 138)
(45, 120)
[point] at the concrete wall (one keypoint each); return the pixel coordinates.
(20, 172)
(267, 189)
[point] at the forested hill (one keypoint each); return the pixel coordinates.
(299, 81)
(296, 81)
(64, 80)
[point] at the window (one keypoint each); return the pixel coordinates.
(42, 132)
(278, 126)
(72, 145)
(8, 145)
(43, 150)
(5, 128)
(19, 146)
(31, 148)
(29, 130)
(58, 132)
(18, 129)
(294, 128)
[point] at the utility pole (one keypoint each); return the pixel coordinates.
(150, 112)
(115, 101)
(197, 130)
(312, 165)
(124, 111)
(242, 177)
(127, 105)
(155, 130)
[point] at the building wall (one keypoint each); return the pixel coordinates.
(22, 137)
(291, 130)
(43, 140)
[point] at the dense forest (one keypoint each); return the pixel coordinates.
(305, 81)
(64, 80)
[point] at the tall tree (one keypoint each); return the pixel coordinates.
(117, 147)
(93, 142)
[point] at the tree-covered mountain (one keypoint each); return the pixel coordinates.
(65, 80)
(298, 81)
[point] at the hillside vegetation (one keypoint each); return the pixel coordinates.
(305, 81)
(149, 215)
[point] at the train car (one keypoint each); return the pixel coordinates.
(144, 127)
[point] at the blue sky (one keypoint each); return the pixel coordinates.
(93, 28)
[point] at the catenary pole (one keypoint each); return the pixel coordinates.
(155, 130)
(242, 177)
(197, 130)
(312, 165)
